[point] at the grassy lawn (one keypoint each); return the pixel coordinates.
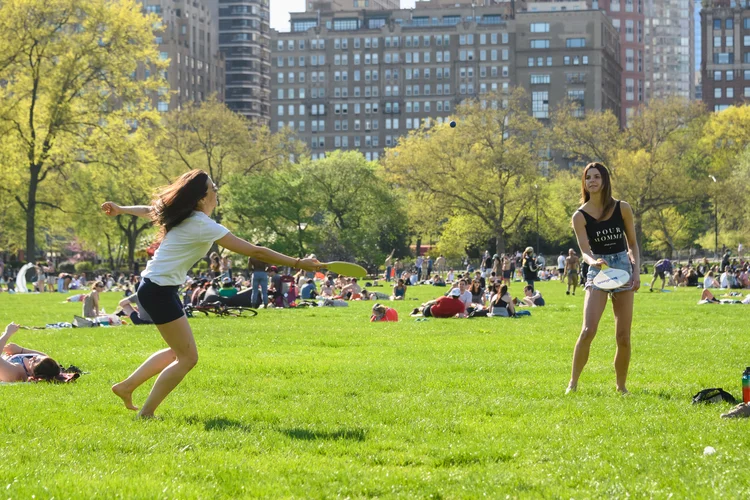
(319, 403)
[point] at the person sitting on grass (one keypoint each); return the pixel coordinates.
(327, 290)
(532, 298)
(477, 292)
(710, 281)
(449, 306)
(352, 291)
(19, 364)
(501, 303)
(91, 301)
(131, 308)
(438, 281)
(308, 290)
(227, 288)
(383, 313)
(399, 290)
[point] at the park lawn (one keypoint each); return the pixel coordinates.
(319, 403)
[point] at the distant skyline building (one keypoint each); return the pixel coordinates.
(244, 35)
(725, 45)
(362, 79)
(188, 40)
(670, 49)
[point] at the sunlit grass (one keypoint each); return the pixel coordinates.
(321, 403)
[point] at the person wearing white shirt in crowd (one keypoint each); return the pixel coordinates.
(561, 266)
(187, 234)
(709, 281)
(465, 296)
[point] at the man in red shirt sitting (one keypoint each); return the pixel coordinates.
(445, 307)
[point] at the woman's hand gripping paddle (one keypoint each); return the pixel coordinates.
(610, 278)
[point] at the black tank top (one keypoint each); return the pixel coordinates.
(606, 237)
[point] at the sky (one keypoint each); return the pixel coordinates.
(280, 10)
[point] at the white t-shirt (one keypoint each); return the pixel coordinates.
(466, 298)
(182, 247)
(561, 262)
(709, 282)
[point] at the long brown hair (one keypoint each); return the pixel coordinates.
(176, 202)
(606, 190)
(47, 369)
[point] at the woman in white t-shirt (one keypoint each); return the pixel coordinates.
(182, 211)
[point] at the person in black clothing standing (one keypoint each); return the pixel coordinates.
(606, 235)
(529, 267)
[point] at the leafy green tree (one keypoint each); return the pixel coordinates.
(485, 168)
(67, 69)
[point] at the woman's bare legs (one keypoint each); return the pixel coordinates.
(155, 364)
(593, 306)
(179, 337)
(622, 304)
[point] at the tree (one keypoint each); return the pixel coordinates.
(485, 168)
(274, 209)
(209, 136)
(594, 138)
(67, 69)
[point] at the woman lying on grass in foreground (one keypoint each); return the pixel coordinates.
(18, 364)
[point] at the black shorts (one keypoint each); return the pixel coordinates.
(162, 303)
(427, 312)
(659, 274)
(506, 273)
(137, 319)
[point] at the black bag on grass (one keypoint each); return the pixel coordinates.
(715, 395)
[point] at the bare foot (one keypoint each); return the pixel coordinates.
(571, 388)
(150, 416)
(623, 391)
(125, 395)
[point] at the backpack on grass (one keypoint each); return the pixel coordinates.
(714, 395)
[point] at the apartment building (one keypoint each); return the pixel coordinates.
(244, 35)
(361, 79)
(187, 38)
(725, 45)
(343, 5)
(670, 49)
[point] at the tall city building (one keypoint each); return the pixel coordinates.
(187, 38)
(339, 5)
(245, 40)
(361, 79)
(725, 49)
(670, 49)
(629, 19)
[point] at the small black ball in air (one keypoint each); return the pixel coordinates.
(453, 124)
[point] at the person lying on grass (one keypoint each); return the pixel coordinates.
(449, 306)
(708, 298)
(19, 364)
(383, 313)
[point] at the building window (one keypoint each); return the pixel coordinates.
(629, 89)
(535, 44)
(730, 93)
(540, 104)
(729, 23)
(717, 24)
(717, 76)
(717, 93)
(730, 76)
(540, 27)
(575, 43)
(539, 79)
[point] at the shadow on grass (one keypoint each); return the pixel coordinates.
(309, 435)
(220, 424)
(467, 459)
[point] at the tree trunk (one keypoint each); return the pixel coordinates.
(638, 222)
(499, 241)
(31, 214)
(419, 245)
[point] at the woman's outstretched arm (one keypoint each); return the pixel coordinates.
(113, 209)
(240, 246)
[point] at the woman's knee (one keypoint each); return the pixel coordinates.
(588, 332)
(188, 360)
(622, 337)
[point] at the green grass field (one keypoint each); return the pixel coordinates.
(320, 403)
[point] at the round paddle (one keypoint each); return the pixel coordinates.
(609, 278)
(345, 269)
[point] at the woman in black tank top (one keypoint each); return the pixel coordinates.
(606, 235)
